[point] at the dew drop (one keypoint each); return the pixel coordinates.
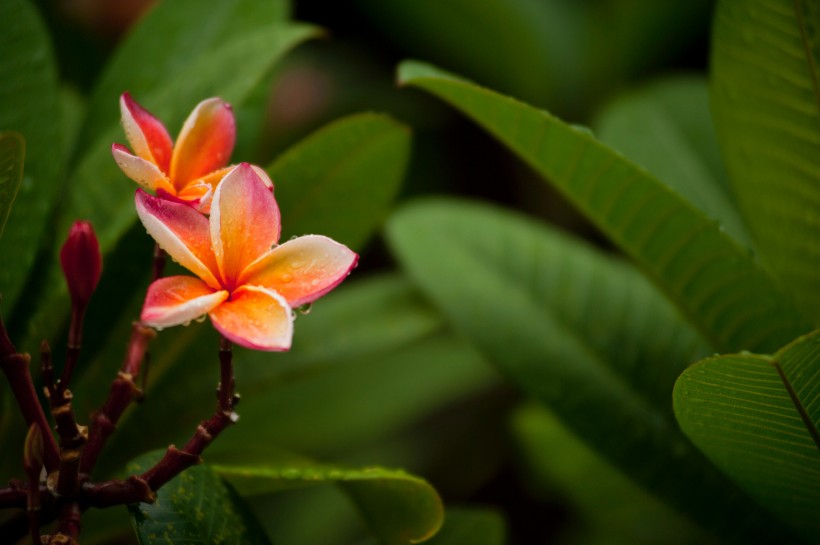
(286, 278)
(201, 319)
(305, 309)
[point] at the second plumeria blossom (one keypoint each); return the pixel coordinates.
(189, 170)
(247, 283)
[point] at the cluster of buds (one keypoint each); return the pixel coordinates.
(222, 223)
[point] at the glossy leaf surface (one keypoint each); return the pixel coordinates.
(398, 507)
(196, 507)
(341, 180)
(29, 106)
(12, 157)
(765, 65)
(711, 278)
(667, 129)
(172, 35)
(583, 333)
(757, 418)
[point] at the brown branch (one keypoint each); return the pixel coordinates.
(70, 524)
(33, 464)
(175, 461)
(16, 369)
(73, 439)
(123, 391)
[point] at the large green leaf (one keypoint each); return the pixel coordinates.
(713, 279)
(369, 344)
(757, 418)
(609, 509)
(341, 180)
(398, 507)
(164, 43)
(28, 105)
(12, 156)
(766, 100)
(667, 129)
(195, 508)
(584, 333)
(100, 193)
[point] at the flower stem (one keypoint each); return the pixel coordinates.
(160, 257)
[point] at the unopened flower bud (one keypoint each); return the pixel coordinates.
(82, 263)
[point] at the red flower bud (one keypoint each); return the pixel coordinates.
(82, 263)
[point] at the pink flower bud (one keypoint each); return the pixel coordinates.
(82, 263)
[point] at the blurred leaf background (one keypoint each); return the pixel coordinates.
(495, 344)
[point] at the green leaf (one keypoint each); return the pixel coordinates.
(580, 331)
(609, 508)
(165, 42)
(471, 525)
(12, 157)
(756, 417)
(28, 105)
(196, 507)
(766, 101)
(711, 278)
(399, 508)
(341, 180)
(667, 129)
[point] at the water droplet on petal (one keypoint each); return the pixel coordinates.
(286, 278)
(305, 309)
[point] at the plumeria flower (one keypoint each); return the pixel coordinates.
(247, 283)
(189, 170)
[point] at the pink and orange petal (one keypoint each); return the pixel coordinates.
(146, 134)
(302, 269)
(255, 318)
(205, 142)
(245, 222)
(176, 300)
